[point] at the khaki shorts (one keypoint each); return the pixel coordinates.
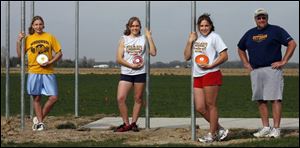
(267, 84)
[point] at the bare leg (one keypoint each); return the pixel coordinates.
(123, 89)
(37, 107)
(211, 93)
(263, 110)
(138, 101)
(200, 104)
(49, 104)
(276, 109)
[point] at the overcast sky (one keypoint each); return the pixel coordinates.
(102, 24)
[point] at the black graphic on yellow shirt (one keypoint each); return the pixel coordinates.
(39, 46)
(200, 46)
(134, 49)
(259, 37)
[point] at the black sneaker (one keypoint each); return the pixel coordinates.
(134, 127)
(40, 126)
(123, 128)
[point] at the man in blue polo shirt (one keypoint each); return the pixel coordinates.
(263, 45)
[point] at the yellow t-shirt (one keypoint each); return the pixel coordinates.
(36, 44)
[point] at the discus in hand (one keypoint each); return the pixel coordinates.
(42, 58)
(137, 60)
(201, 59)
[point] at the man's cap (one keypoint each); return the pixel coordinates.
(260, 11)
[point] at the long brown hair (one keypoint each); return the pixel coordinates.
(30, 29)
(130, 22)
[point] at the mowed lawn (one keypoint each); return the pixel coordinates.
(170, 96)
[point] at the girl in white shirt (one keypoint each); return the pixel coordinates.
(207, 77)
(131, 55)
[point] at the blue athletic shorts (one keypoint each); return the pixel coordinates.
(42, 84)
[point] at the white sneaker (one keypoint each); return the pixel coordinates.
(35, 120)
(264, 132)
(40, 126)
(222, 133)
(207, 138)
(34, 127)
(275, 133)
(35, 123)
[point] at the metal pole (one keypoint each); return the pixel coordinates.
(147, 59)
(31, 97)
(76, 55)
(193, 29)
(7, 59)
(22, 65)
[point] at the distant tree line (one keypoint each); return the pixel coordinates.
(89, 63)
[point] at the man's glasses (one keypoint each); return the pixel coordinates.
(262, 17)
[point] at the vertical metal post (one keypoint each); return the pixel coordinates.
(31, 97)
(76, 55)
(7, 59)
(147, 59)
(22, 65)
(193, 29)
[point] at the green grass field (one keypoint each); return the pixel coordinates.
(170, 96)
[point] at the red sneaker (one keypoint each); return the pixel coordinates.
(134, 127)
(123, 128)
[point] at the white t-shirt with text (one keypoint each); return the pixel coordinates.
(133, 47)
(211, 46)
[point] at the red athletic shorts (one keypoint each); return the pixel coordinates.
(210, 79)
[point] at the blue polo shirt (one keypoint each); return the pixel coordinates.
(264, 45)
